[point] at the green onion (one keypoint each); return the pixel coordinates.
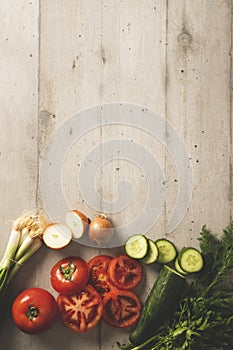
(24, 247)
(37, 243)
(24, 241)
(10, 251)
(24, 234)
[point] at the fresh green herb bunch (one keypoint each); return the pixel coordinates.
(218, 254)
(200, 324)
(205, 318)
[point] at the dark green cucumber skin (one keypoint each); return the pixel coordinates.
(163, 297)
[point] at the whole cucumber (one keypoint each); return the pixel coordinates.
(164, 296)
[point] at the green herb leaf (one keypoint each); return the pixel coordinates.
(218, 258)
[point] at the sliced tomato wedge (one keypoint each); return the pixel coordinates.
(81, 312)
(122, 308)
(125, 272)
(98, 274)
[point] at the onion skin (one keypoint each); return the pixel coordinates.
(100, 230)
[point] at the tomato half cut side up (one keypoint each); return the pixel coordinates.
(98, 274)
(81, 312)
(122, 308)
(125, 272)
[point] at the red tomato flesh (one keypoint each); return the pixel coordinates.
(81, 312)
(122, 308)
(98, 274)
(69, 275)
(34, 310)
(125, 272)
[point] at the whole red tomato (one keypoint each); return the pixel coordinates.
(34, 310)
(69, 275)
(81, 312)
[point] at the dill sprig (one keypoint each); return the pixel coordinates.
(218, 261)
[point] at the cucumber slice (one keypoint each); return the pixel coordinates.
(178, 268)
(136, 246)
(152, 253)
(167, 251)
(190, 259)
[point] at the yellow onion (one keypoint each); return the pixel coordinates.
(100, 230)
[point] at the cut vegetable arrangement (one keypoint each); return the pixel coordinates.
(188, 260)
(77, 224)
(114, 278)
(175, 316)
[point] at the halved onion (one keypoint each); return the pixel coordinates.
(100, 230)
(57, 236)
(77, 222)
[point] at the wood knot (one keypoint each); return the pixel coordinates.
(184, 39)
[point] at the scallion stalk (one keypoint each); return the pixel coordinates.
(24, 247)
(11, 249)
(36, 244)
(24, 241)
(24, 235)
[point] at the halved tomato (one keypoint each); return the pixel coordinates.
(81, 312)
(125, 272)
(122, 308)
(98, 274)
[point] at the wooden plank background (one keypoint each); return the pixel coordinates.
(59, 57)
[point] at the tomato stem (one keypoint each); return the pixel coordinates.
(68, 271)
(32, 312)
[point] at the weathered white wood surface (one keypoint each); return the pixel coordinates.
(61, 57)
(18, 135)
